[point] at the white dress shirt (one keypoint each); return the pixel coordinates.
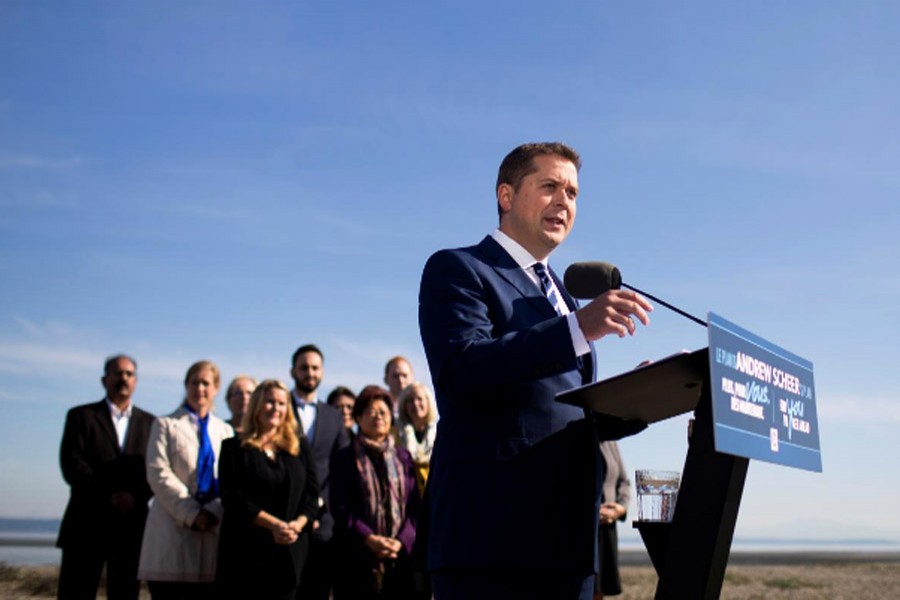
(306, 412)
(121, 420)
(526, 261)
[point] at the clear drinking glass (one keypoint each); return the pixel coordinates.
(657, 492)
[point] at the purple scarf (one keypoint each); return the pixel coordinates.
(384, 488)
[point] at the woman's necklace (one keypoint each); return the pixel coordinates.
(269, 448)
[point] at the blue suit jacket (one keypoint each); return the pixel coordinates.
(515, 476)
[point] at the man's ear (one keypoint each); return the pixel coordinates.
(504, 197)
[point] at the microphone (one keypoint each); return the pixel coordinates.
(587, 280)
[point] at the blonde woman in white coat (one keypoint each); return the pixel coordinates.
(178, 555)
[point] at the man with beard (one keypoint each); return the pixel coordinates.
(102, 457)
(323, 425)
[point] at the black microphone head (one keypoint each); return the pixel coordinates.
(587, 280)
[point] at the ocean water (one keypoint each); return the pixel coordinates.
(21, 556)
(31, 542)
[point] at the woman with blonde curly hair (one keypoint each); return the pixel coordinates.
(270, 495)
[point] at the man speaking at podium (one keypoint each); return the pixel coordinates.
(513, 492)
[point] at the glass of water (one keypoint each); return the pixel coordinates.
(657, 492)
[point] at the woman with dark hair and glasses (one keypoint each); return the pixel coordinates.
(343, 399)
(375, 503)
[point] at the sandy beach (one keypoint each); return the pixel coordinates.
(750, 576)
(794, 575)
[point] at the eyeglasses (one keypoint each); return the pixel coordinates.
(376, 412)
(123, 373)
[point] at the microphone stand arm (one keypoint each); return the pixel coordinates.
(666, 304)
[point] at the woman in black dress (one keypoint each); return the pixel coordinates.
(270, 497)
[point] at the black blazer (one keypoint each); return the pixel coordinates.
(515, 476)
(249, 483)
(95, 468)
(329, 437)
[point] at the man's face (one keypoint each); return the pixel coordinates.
(540, 214)
(307, 372)
(399, 375)
(120, 380)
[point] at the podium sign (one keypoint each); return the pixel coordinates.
(763, 399)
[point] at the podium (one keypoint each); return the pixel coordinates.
(690, 553)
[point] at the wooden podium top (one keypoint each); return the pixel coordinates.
(658, 391)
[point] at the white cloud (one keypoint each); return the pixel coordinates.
(366, 362)
(72, 352)
(29, 161)
(36, 199)
(35, 357)
(859, 409)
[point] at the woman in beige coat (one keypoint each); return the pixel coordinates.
(178, 555)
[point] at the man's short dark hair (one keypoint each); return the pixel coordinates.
(112, 360)
(303, 350)
(519, 163)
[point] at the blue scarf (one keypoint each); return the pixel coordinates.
(207, 484)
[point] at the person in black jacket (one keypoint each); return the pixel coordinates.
(270, 496)
(102, 458)
(323, 426)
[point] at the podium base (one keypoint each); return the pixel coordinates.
(655, 535)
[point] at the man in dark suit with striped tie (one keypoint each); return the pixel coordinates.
(102, 457)
(514, 487)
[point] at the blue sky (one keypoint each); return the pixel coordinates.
(228, 180)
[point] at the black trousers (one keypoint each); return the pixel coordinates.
(491, 584)
(81, 568)
(319, 571)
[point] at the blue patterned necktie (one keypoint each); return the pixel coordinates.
(547, 287)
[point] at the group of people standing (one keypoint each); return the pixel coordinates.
(291, 498)
(516, 488)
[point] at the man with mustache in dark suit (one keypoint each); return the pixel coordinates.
(102, 457)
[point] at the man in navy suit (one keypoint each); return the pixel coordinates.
(514, 487)
(102, 457)
(323, 426)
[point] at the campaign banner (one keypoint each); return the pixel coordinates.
(763, 399)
